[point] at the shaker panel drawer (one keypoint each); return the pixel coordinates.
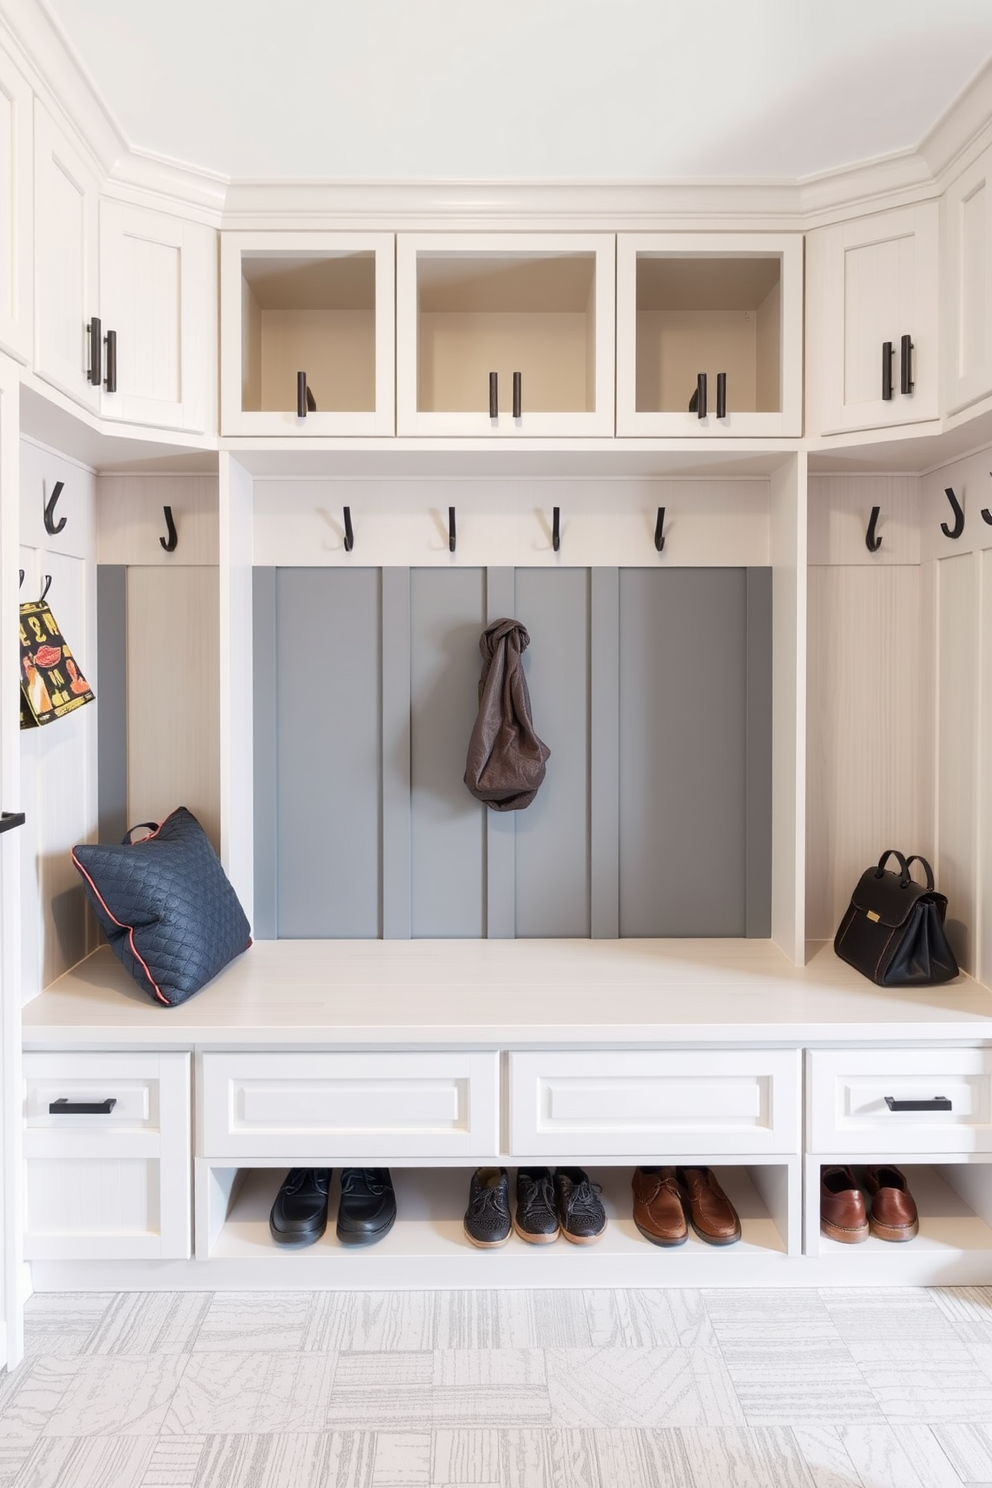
(900, 1100)
(323, 1105)
(654, 1103)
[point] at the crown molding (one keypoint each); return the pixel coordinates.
(962, 131)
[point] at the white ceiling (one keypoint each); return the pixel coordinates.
(601, 90)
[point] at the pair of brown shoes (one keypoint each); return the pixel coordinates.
(844, 1217)
(664, 1197)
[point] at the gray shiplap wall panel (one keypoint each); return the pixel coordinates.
(552, 834)
(396, 753)
(758, 787)
(265, 751)
(604, 749)
(500, 826)
(328, 773)
(448, 838)
(111, 689)
(683, 653)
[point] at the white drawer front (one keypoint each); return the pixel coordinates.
(850, 1091)
(110, 1185)
(654, 1103)
(323, 1105)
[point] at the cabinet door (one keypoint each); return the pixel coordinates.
(307, 343)
(717, 313)
(66, 276)
(16, 208)
(966, 281)
(534, 312)
(872, 321)
(158, 306)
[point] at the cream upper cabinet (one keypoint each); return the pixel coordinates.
(307, 333)
(505, 335)
(16, 210)
(709, 334)
(68, 349)
(966, 282)
(871, 300)
(158, 305)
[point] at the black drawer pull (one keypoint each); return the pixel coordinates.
(721, 395)
(9, 819)
(939, 1103)
(64, 1107)
(95, 328)
(906, 381)
(110, 381)
(494, 395)
(518, 394)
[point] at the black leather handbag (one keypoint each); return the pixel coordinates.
(893, 932)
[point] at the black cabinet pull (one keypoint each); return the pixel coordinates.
(518, 394)
(721, 395)
(697, 403)
(11, 819)
(111, 379)
(305, 400)
(906, 383)
(494, 395)
(64, 1107)
(939, 1103)
(886, 371)
(95, 329)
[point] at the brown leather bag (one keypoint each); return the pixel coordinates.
(506, 759)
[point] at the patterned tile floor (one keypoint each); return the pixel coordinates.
(563, 1389)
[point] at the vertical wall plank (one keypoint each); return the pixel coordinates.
(501, 826)
(552, 834)
(957, 725)
(682, 752)
(604, 753)
(328, 791)
(111, 686)
(265, 919)
(758, 779)
(396, 923)
(448, 846)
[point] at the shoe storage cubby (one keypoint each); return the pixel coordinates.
(427, 1246)
(709, 335)
(505, 335)
(307, 333)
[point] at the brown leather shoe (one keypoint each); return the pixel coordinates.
(658, 1211)
(711, 1214)
(893, 1210)
(842, 1206)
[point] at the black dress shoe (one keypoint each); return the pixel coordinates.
(299, 1214)
(368, 1205)
(536, 1219)
(487, 1218)
(580, 1209)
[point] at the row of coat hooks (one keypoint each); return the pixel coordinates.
(873, 542)
(48, 584)
(169, 542)
(659, 530)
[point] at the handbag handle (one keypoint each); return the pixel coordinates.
(927, 869)
(126, 839)
(890, 852)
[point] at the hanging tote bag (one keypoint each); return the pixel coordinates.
(893, 931)
(506, 760)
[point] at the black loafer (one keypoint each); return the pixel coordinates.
(536, 1220)
(368, 1205)
(299, 1214)
(487, 1218)
(580, 1209)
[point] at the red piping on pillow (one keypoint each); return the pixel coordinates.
(128, 928)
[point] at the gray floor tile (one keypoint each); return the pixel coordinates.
(33, 1394)
(465, 1456)
(524, 1458)
(392, 1320)
(796, 1382)
(59, 1323)
(964, 1304)
(382, 1391)
(863, 1316)
(174, 1462)
(14, 1452)
(251, 1393)
(466, 1320)
(826, 1457)
(968, 1448)
(907, 1455)
(640, 1388)
(118, 1396)
(138, 1323)
(754, 1317)
(923, 1385)
(402, 1460)
(88, 1462)
(253, 1322)
(757, 1457)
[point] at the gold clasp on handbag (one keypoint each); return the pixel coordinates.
(872, 915)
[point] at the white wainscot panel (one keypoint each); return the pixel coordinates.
(657, 1103)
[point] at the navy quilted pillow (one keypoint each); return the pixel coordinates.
(166, 907)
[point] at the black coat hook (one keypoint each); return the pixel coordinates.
(556, 528)
(51, 526)
(20, 581)
(986, 514)
(44, 592)
(659, 530)
(956, 508)
(169, 544)
(349, 534)
(873, 542)
(451, 529)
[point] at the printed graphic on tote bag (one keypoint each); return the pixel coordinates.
(51, 681)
